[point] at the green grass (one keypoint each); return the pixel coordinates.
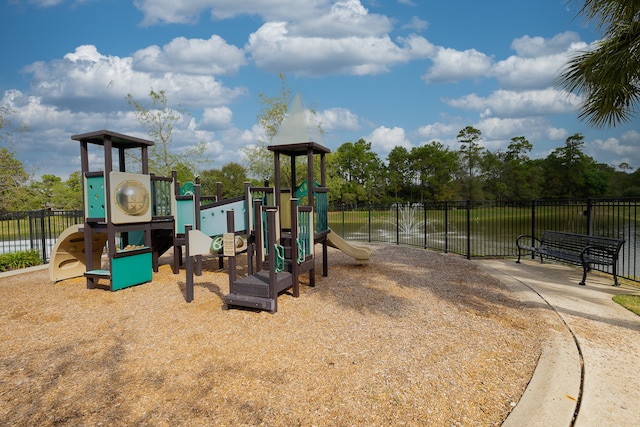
(21, 259)
(630, 302)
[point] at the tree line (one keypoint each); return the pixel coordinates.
(357, 175)
(435, 172)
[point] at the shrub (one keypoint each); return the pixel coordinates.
(17, 260)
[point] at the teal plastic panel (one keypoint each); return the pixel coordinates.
(131, 270)
(213, 221)
(185, 215)
(95, 203)
(136, 237)
(322, 209)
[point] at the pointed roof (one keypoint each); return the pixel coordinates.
(298, 126)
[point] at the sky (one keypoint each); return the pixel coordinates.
(393, 72)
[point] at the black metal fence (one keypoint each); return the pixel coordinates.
(490, 228)
(471, 229)
(35, 230)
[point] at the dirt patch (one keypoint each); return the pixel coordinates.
(414, 338)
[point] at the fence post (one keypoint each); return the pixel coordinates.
(468, 229)
(397, 223)
(424, 222)
(446, 227)
(589, 216)
(32, 231)
(533, 225)
(49, 234)
(369, 223)
(43, 236)
(342, 219)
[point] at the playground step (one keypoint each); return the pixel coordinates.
(257, 285)
(98, 274)
(250, 302)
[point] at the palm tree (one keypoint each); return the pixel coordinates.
(609, 75)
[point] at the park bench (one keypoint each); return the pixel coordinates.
(574, 248)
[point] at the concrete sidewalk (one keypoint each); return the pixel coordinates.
(590, 369)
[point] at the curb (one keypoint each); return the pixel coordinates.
(23, 270)
(552, 395)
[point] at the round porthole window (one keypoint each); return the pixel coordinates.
(132, 198)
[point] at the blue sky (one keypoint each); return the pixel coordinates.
(394, 72)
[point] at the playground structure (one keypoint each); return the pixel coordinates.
(129, 212)
(139, 216)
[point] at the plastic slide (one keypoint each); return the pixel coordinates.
(68, 257)
(359, 253)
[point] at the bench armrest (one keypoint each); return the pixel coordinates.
(603, 251)
(536, 241)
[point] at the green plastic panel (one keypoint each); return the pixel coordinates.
(95, 203)
(131, 270)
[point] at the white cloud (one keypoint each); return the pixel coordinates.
(616, 151)
(613, 145)
(273, 48)
(239, 138)
(217, 118)
(555, 134)
(506, 103)
(314, 37)
(347, 18)
(631, 138)
(523, 73)
(81, 77)
(438, 131)
(504, 129)
(416, 24)
(535, 66)
(50, 130)
(537, 61)
(384, 139)
(190, 56)
(40, 3)
(338, 119)
(184, 12)
(450, 65)
(533, 47)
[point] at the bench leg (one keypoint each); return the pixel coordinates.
(518, 261)
(584, 276)
(615, 276)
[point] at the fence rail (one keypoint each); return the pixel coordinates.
(471, 229)
(490, 228)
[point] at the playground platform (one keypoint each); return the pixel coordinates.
(590, 370)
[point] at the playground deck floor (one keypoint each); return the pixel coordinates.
(414, 338)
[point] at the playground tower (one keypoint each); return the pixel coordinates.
(131, 210)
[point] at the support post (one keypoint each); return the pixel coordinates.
(196, 201)
(232, 259)
(257, 213)
(273, 276)
(295, 269)
(189, 266)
